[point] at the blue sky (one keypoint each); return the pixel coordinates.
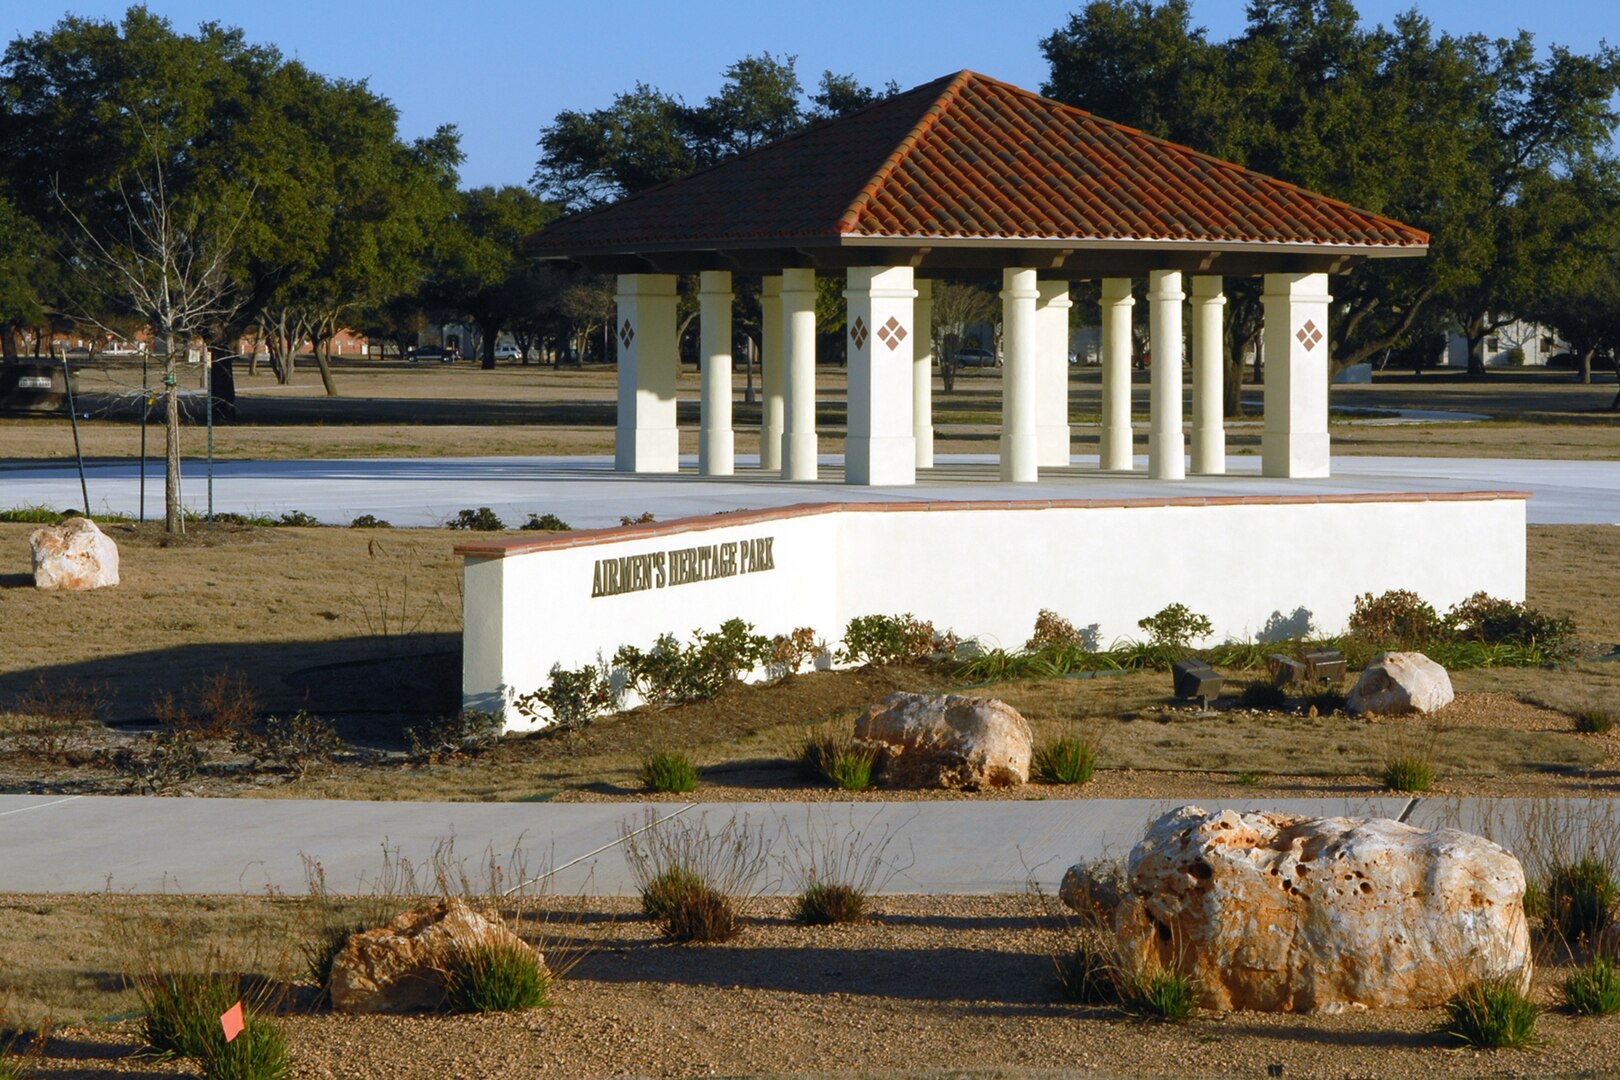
(500, 70)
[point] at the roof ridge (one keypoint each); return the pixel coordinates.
(930, 117)
(1203, 154)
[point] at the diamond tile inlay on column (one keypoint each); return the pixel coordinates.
(892, 333)
(1309, 335)
(627, 334)
(858, 332)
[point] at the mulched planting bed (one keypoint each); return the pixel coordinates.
(931, 986)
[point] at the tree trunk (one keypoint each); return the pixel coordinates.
(1586, 366)
(748, 380)
(173, 518)
(323, 360)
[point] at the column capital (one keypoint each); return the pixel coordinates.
(1208, 289)
(1301, 288)
(798, 281)
(714, 282)
(1054, 294)
(892, 282)
(1165, 285)
(1117, 290)
(1019, 283)
(633, 285)
(770, 285)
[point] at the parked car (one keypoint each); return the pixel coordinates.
(507, 352)
(976, 358)
(433, 352)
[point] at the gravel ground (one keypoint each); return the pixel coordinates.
(930, 987)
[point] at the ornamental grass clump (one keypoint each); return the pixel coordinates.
(668, 771)
(1594, 990)
(505, 976)
(1594, 720)
(259, 1052)
(1581, 897)
(835, 867)
(1155, 992)
(831, 753)
(1492, 1014)
(1071, 758)
(695, 881)
(1407, 772)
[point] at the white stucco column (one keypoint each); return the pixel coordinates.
(922, 374)
(1052, 377)
(646, 439)
(716, 440)
(1115, 440)
(1167, 446)
(1209, 373)
(1295, 439)
(770, 372)
(799, 385)
(1020, 344)
(880, 447)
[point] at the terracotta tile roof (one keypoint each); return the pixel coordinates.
(968, 157)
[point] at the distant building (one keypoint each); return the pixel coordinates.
(1518, 344)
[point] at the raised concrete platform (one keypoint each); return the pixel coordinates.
(587, 493)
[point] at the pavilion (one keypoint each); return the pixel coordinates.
(967, 176)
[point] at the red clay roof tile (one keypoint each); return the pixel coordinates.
(970, 157)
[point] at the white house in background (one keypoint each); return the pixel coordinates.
(1518, 344)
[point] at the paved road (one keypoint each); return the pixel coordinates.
(51, 844)
(586, 493)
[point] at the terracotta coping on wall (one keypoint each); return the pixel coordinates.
(500, 549)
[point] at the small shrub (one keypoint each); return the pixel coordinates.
(1068, 759)
(1491, 1014)
(672, 673)
(660, 895)
(172, 759)
(644, 518)
(703, 916)
(835, 869)
(1594, 721)
(1173, 628)
(497, 978)
(546, 523)
(668, 771)
(481, 520)
(219, 706)
(1053, 629)
(1263, 695)
(1086, 973)
(259, 1052)
(294, 743)
(1594, 990)
(1486, 619)
(68, 702)
(1156, 992)
(1580, 898)
(892, 639)
(1408, 772)
(298, 518)
(467, 733)
(831, 753)
(369, 521)
(1398, 618)
(791, 651)
(1249, 778)
(572, 697)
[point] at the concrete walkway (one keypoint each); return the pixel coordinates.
(587, 493)
(85, 844)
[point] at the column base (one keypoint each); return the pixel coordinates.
(1115, 452)
(1209, 453)
(881, 461)
(1304, 455)
(799, 456)
(717, 453)
(1020, 455)
(770, 449)
(925, 448)
(1167, 455)
(647, 450)
(1053, 440)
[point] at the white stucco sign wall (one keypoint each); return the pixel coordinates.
(982, 570)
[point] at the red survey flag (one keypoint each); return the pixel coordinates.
(232, 1021)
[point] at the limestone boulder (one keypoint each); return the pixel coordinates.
(947, 741)
(1400, 682)
(402, 967)
(1094, 889)
(74, 556)
(1285, 913)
